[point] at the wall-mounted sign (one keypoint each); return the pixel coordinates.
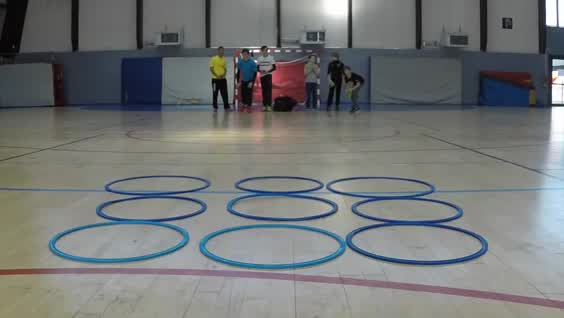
(507, 23)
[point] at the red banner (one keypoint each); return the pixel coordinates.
(287, 80)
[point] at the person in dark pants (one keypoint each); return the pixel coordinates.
(354, 83)
(335, 74)
(266, 65)
(246, 75)
(311, 72)
(218, 70)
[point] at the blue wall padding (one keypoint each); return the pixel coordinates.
(95, 77)
(501, 93)
(141, 81)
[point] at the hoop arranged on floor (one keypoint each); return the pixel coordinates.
(109, 186)
(101, 207)
(458, 215)
(319, 184)
(339, 252)
(476, 255)
(232, 203)
(431, 188)
(56, 251)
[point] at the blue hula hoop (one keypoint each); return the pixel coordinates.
(319, 185)
(431, 188)
(232, 203)
(476, 255)
(56, 238)
(102, 214)
(108, 187)
(207, 253)
(458, 215)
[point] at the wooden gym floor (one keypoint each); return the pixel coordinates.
(504, 167)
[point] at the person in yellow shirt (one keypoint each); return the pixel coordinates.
(218, 70)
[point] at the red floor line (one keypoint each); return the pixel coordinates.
(535, 301)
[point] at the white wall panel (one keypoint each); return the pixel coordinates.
(243, 23)
(47, 26)
(330, 15)
(175, 15)
(188, 78)
(524, 37)
(26, 85)
(384, 24)
(400, 80)
(452, 14)
(107, 25)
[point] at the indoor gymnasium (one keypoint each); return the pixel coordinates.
(281, 158)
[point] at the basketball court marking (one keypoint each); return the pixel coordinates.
(507, 190)
(496, 158)
(420, 288)
(50, 148)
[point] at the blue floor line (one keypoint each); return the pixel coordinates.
(9, 189)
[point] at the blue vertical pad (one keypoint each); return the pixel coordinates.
(141, 80)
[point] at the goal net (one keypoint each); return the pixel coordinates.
(288, 79)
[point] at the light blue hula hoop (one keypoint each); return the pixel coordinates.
(431, 188)
(319, 185)
(207, 253)
(459, 212)
(56, 238)
(476, 255)
(101, 213)
(108, 187)
(232, 203)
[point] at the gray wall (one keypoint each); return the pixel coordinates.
(95, 77)
(384, 24)
(555, 41)
(476, 61)
(472, 64)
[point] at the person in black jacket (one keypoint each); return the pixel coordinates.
(354, 83)
(335, 79)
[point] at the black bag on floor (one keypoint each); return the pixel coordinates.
(284, 104)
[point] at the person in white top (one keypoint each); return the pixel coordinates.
(266, 65)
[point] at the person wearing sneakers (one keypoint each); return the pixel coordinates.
(354, 83)
(266, 65)
(246, 76)
(335, 79)
(219, 82)
(311, 72)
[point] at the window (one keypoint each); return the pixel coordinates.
(552, 13)
(555, 13)
(560, 6)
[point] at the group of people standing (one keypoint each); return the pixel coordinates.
(248, 68)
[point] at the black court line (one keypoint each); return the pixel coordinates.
(130, 134)
(281, 153)
(413, 123)
(20, 147)
(249, 153)
(494, 157)
(50, 148)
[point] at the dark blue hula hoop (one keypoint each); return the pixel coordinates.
(102, 214)
(109, 188)
(458, 215)
(232, 203)
(56, 251)
(431, 189)
(207, 253)
(476, 255)
(319, 185)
